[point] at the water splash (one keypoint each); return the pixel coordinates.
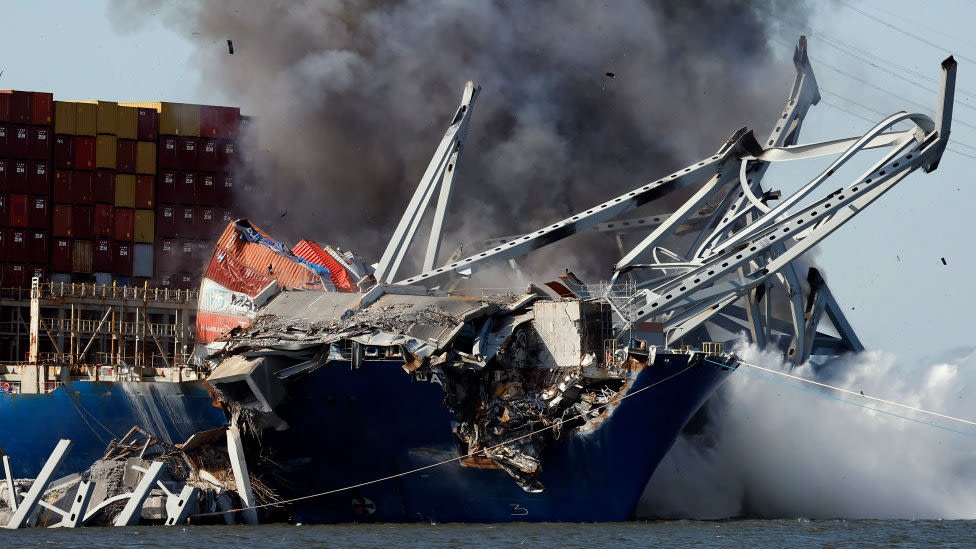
(777, 448)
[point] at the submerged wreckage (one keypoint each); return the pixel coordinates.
(363, 395)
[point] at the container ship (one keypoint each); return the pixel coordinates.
(367, 394)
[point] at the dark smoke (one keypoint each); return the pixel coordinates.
(351, 99)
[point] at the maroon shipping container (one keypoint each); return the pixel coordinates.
(145, 192)
(225, 189)
(82, 221)
(166, 185)
(148, 123)
(167, 260)
(39, 143)
(82, 188)
(4, 132)
(61, 221)
(15, 275)
(166, 221)
(42, 108)
(62, 190)
(64, 152)
(84, 149)
(122, 258)
(187, 149)
(220, 122)
(187, 253)
(167, 158)
(5, 167)
(103, 185)
(186, 188)
(104, 223)
(18, 210)
(18, 142)
(15, 245)
(208, 222)
(17, 179)
(102, 256)
(39, 177)
(228, 155)
(81, 256)
(208, 158)
(124, 224)
(60, 255)
(185, 222)
(4, 212)
(4, 107)
(20, 106)
(37, 252)
(207, 189)
(125, 156)
(40, 213)
(37, 271)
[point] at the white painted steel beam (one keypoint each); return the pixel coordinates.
(132, 512)
(28, 506)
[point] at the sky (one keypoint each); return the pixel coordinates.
(871, 59)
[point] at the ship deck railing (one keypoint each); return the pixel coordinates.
(77, 290)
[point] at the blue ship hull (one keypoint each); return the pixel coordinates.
(351, 426)
(91, 414)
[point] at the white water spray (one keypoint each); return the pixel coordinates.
(777, 447)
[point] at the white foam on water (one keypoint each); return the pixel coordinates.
(777, 447)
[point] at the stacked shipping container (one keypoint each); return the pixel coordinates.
(139, 190)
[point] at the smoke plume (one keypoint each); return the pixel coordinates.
(581, 101)
(775, 448)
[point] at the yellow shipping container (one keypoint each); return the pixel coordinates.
(146, 157)
(125, 190)
(105, 151)
(179, 119)
(86, 115)
(144, 226)
(107, 120)
(64, 117)
(128, 122)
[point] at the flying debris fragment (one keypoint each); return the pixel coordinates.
(230, 47)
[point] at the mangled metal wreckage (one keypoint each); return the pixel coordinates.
(347, 374)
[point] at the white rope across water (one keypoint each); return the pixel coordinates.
(858, 394)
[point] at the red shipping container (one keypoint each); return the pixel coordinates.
(37, 271)
(102, 256)
(186, 188)
(3, 214)
(61, 221)
(124, 224)
(145, 187)
(64, 152)
(104, 223)
(20, 106)
(125, 156)
(4, 107)
(227, 156)
(208, 158)
(103, 185)
(225, 189)
(81, 256)
(167, 159)
(219, 122)
(37, 249)
(4, 132)
(167, 191)
(42, 108)
(166, 222)
(15, 275)
(40, 213)
(60, 255)
(18, 210)
(122, 258)
(5, 167)
(62, 190)
(186, 153)
(207, 189)
(82, 221)
(185, 224)
(15, 245)
(82, 188)
(84, 149)
(148, 123)
(39, 143)
(39, 177)
(18, 141)
(17, 179)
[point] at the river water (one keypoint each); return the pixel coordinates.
(741, 533)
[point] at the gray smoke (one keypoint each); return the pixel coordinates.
(351, 99)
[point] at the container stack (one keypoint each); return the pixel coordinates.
(25, 185)
(97, 191)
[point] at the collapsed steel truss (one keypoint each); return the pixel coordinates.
(745, 244)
